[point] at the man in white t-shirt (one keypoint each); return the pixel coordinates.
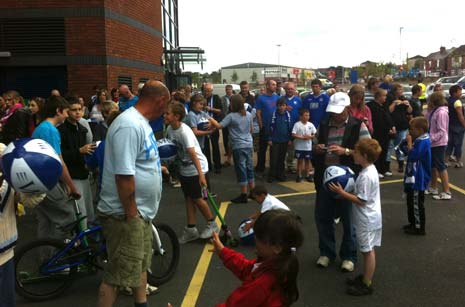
(131, 192)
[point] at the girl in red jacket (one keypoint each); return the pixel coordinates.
(271, 279)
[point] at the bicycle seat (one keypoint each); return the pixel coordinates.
(71, 226)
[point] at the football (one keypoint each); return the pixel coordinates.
(339, 174)
(31, 165)
(203, 124)
(246, 237)
(167, 150)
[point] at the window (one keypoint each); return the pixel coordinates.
(41, 36)
(125, 80)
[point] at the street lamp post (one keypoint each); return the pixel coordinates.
(400, 44)
(279, 60)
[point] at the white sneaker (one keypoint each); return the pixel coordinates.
(432, 191)
(323, 262)
(347, 266)
(381, 176)
(443, 196)
(209, 229)
(388, 174)
(189, 234)
(459, 164)
(337, 220)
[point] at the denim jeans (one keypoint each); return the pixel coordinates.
(326, 209)
(454, 146)
(401, 135)
(7, 284)
(243, 165)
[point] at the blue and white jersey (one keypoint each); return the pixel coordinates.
(317, 107)
(294, 103)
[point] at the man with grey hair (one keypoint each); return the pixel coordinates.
(131, 192)
(215, 109)
(336, 138)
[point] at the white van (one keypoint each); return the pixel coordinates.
(219, 89)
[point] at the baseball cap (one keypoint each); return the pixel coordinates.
(338, 102)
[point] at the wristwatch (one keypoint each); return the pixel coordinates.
(347, 152)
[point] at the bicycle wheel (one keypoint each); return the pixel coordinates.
(36, 282)
(165, 259)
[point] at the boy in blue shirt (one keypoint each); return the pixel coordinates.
(56, 209)
(279, 139)
(417, 175)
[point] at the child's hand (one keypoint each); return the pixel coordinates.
(165, 170)
(247, 227)
(217, 243)
(336, 187)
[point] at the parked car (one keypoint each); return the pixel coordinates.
(445, 80)
(461, 82)
(407, 91)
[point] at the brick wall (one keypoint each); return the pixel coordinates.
(136, 74)
(85, 36)
(49, 3)
(147, 12)
(131, 43)
(82, 78)
(99, 36)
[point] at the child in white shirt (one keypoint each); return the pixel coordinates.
(366, 212)
(303, 132)
(268, 202)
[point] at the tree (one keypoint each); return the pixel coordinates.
(196, 79)
(254, 76)
(303, 77)
(234, 77)
(215, 76)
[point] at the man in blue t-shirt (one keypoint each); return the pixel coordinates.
(316, 103)
(294, 104)
(127, 98)
(265, 106)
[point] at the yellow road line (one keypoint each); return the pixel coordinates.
(193, 291)
(454, 187)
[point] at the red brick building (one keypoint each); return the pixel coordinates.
(73, 45)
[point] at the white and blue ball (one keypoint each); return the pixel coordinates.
(246, 237)
(167, 150)
(401, 149)
(31, 165)
(203, 124)
(339, 174)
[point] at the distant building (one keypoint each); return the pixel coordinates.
(259, 73)
(417, 62)
(457, 61)
(437, 63)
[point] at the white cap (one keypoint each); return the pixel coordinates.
(338, 102)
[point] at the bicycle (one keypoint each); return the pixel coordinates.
(46, 267)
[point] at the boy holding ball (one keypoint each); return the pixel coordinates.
(366, 212)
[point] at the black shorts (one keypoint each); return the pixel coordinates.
(191, 187)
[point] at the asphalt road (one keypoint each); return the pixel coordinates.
(411, 271)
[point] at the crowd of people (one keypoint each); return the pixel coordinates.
(361, 130)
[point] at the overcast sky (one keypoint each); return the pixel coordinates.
(335, 32)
